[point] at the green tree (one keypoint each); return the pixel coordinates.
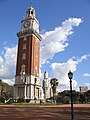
(82, 98)
(87, 96)
(54, 84)
(6, 91)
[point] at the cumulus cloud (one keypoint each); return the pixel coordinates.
(57, 40)
(84, 57)
(10, 57)
(86, 74)
(60, 71)
(8, 63)
(54, 41)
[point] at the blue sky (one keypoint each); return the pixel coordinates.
(64, 26)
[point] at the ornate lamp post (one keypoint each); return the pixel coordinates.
(70, 76)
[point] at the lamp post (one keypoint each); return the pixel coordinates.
(70, 76)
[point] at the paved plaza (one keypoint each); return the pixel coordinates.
(28, 112)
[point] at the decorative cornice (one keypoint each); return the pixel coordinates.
(23, 84)
(29, 32)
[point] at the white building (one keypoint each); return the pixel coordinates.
(46, 86)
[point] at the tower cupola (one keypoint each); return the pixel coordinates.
(31, 12)
(30, 21)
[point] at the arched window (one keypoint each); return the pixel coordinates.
(23, 68)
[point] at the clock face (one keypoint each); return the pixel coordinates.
(26, 24)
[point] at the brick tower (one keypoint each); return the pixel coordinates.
(27, 79)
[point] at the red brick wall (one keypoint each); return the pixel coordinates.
(32, 55)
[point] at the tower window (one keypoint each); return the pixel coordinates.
(36, 58)
(36, 67)
(28, 13)
(23, 68)
(24, 46)
(24, 56)
(25, 38)
(36, 49)
(32, 12)
(35, 80)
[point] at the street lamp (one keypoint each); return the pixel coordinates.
(70, 76)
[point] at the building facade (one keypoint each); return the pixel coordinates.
(27, 78)
(83, 88)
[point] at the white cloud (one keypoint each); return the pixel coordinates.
(60, 71)
(86, 74)
(8, 64)
(84, 57)
(57, 40)
(53, 42)
(10, 57)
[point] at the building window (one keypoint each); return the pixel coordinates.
(23, 68)
(24, 46)
(36, 58)
(32, 12)
(25, 38)
(36, 49)
(36, 68)
(24, 56)
(35, 80)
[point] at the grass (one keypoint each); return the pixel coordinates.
(32, 104)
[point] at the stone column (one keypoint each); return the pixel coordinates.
(25, 90)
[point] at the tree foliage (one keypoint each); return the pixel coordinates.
(78, 97)
(54, 84)
(6, 91)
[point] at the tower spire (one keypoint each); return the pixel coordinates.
(30, 3)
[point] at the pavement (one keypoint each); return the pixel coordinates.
(56, 112)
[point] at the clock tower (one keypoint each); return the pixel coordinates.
(27, 79)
